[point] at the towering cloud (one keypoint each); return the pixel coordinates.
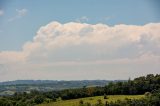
(85, 45)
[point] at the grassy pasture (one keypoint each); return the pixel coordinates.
(92, 100)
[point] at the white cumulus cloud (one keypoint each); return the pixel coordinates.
(58, 49)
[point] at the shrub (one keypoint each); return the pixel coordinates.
(105, 96)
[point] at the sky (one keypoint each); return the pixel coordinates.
(79, 39)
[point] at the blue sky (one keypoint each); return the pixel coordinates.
(17, 32)
(70, 39)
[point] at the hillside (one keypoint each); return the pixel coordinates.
(9, 87)
(92, 100)
(148, 85)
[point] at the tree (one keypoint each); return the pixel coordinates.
(39, 99)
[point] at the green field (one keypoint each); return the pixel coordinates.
(92, 100)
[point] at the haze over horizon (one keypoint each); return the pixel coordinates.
(79, 40)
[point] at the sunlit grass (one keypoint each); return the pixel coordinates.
(92, 100)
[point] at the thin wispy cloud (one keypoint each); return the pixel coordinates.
(20, 13)
(1, 12)
(107, 18)
(82, 19)
(1, 30)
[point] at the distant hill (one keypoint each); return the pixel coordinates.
(39, 82)
(9, 87)
(19, 82)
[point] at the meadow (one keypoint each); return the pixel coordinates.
(92, 100)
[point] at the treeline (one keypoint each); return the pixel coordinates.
(36, 97)
(139, 85)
